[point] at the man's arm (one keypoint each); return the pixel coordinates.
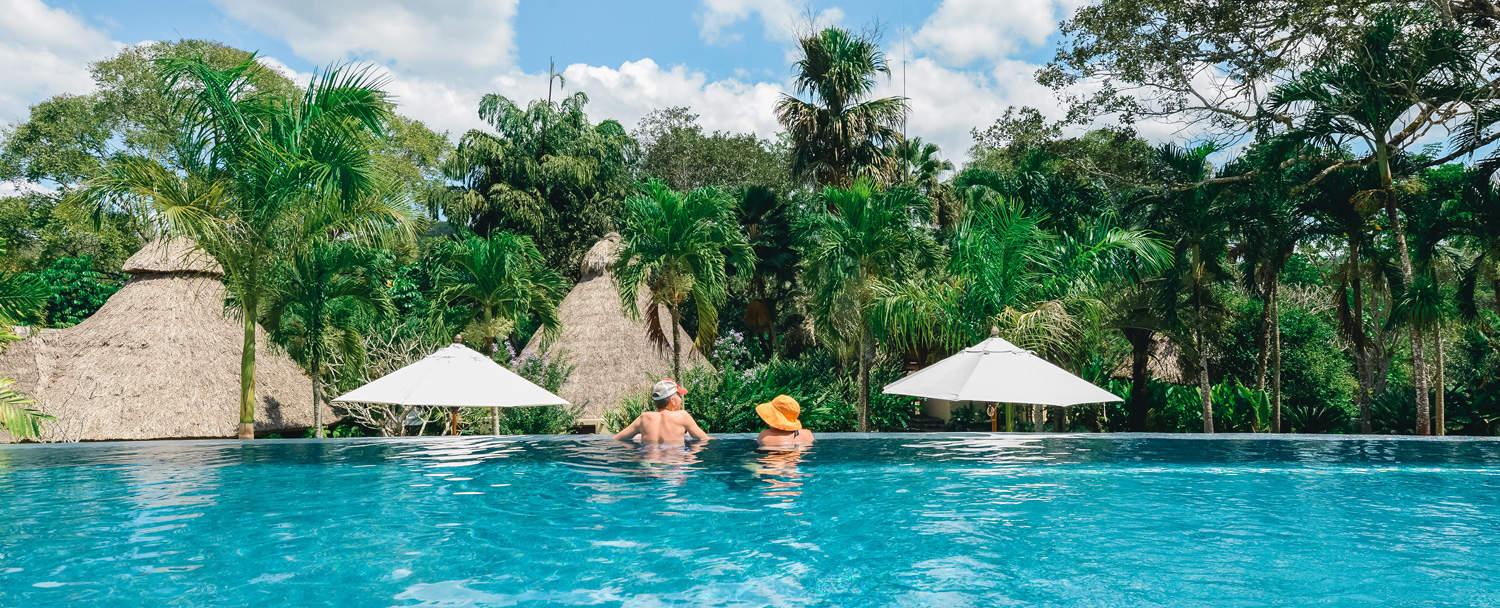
(695, 430)
(630, 431)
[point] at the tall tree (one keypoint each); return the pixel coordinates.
(1269, 219)
(767, 221)
(676, 150)
(545, 171)
(680, 247)
(837, 132)
(1185, 299)
(319, 302)
(1399, 77)
(863, 239)
(259, 171)
(499, 282)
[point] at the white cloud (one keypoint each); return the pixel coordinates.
(947, 103)
(962, 31)
(781, 20)
(472, 38)
(9, 188)
(630, 91)
(44, 52)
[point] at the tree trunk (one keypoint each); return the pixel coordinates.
(1361, 350)
(494, 348)
(317, 390)
(1140, 360)
(676, 348)
(247, 372)
(1495, 286)
(771, 325)
(1276, 357)
(864, 379)
(1418, 356)
(1263, 340)
(1440, 423)
(1204, 389)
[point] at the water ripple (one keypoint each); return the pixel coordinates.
(980, 520)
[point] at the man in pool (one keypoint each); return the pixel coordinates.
(668, 423)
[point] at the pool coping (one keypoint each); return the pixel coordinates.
(833, 436)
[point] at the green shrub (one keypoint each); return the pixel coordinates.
(550, 420)
(1473, 377)
(1317, 376)
(76, 290)
(724, 401)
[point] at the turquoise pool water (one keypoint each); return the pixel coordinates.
(954, 520)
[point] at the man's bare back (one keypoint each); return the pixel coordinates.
(663, 427)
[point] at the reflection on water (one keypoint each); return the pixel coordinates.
(778, 469)
(903, 519)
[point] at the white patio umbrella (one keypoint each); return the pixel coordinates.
(455, 376)
(997, 371)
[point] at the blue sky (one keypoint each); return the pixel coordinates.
(728, 60)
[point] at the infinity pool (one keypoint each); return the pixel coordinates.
(954, 520)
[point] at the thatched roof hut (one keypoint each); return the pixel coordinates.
(611, 355)
(159, 360)
(1164, 363)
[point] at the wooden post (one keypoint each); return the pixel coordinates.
(453, 422)
(994, 418)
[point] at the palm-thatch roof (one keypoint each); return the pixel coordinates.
(1162, 363)
(611, 354)
(159, 360)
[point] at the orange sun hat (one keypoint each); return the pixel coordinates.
(781, 413)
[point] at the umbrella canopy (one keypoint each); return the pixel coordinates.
(456, 376)
(997, 371)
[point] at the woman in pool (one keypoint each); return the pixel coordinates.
(784, 430)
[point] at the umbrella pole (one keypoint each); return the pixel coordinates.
(994, 415)
(1010, 417)
(453, 422)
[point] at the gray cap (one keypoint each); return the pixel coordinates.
(665, 389)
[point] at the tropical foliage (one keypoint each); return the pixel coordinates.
(680, 248)
(1320, 255)
(838, 132)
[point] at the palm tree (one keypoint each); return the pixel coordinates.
(260, 173)
(680, 247)
(837, 134)
(920, 164)
(22, 298)
(864, 239)
(766, 220)
(1008, 272)
(544, 170)
(319, 302)
(1336, 212)
(1195, 218)
(500, 282)
(1270, 219)
(1405, 68)
(1478, 221)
